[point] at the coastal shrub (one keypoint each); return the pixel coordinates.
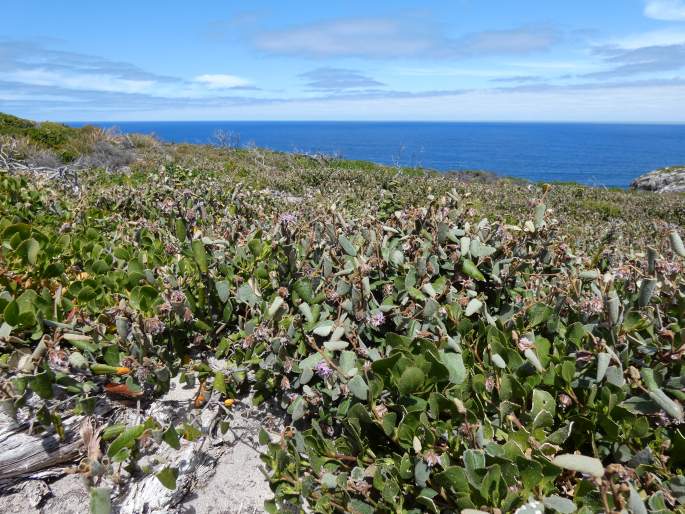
(437, 345)
(109, 156)
(42, 158)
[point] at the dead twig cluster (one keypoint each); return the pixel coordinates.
(67, 175)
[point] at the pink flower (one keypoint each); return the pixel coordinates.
(377, 319)
(525, 344)
(287, 218)
(431, 458)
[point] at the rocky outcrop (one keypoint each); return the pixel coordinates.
(664, 180)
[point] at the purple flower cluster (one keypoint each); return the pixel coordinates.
(377, 319)
(287, 218)
(323, 369)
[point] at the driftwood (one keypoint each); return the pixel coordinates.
(23, 454)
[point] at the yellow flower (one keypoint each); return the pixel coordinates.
(229, 402)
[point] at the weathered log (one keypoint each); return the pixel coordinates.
(23, 454)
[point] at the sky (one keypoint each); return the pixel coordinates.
(450, 60)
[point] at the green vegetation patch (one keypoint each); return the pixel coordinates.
(437, 345)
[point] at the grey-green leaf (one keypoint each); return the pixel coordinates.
(602, 364)
(580, 463)
(455, 365)
(559, 504)
(359, 387)
(347, 246)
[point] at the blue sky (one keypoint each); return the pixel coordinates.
(523, 60)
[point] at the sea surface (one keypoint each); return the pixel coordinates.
(594, 154)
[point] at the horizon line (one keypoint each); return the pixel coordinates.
(565, 122)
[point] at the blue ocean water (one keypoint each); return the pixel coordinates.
(594, 154)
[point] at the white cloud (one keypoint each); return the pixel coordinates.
(371, 37)
(379, 38)
(620, 103)
(220, 81)
(667, 10)
(78, 81)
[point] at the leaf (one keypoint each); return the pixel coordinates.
(28, 250)
(246, 295)
(11, 313)
(473, 306)
(533, 359)
(335, 345)
(411, 380)
(530, 472)
(87, 294)
(478, 249)
(77, 360)
(329, 481)
(41, 384)
(223, 290)
(297, 408)
(359, 387)
(303, 288)
(347, 246)
(677, 243)
(219, 382)
(100, 500)
(671, 407)
(635, 503)
(359, 507)
(199, 254)
(421, 473)
(180, 229)
(323, 328)
(23, 229)
(603, 359)
(455, 365)
(580, 463)
(559, 504)
(190, 433)
(539, 216)
(539, 313)
(170, 437)
(532, 507)
(168, 477)
(382, 366)
(647, 288)
(470, 269)
(542, 401)
(125, 440)
(275, 306)
(474, 461)
(348, 362)
(498, 361)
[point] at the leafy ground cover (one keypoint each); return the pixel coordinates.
(440, 344)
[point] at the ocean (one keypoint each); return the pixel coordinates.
(609, 155)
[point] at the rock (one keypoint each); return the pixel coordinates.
(664, 180)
